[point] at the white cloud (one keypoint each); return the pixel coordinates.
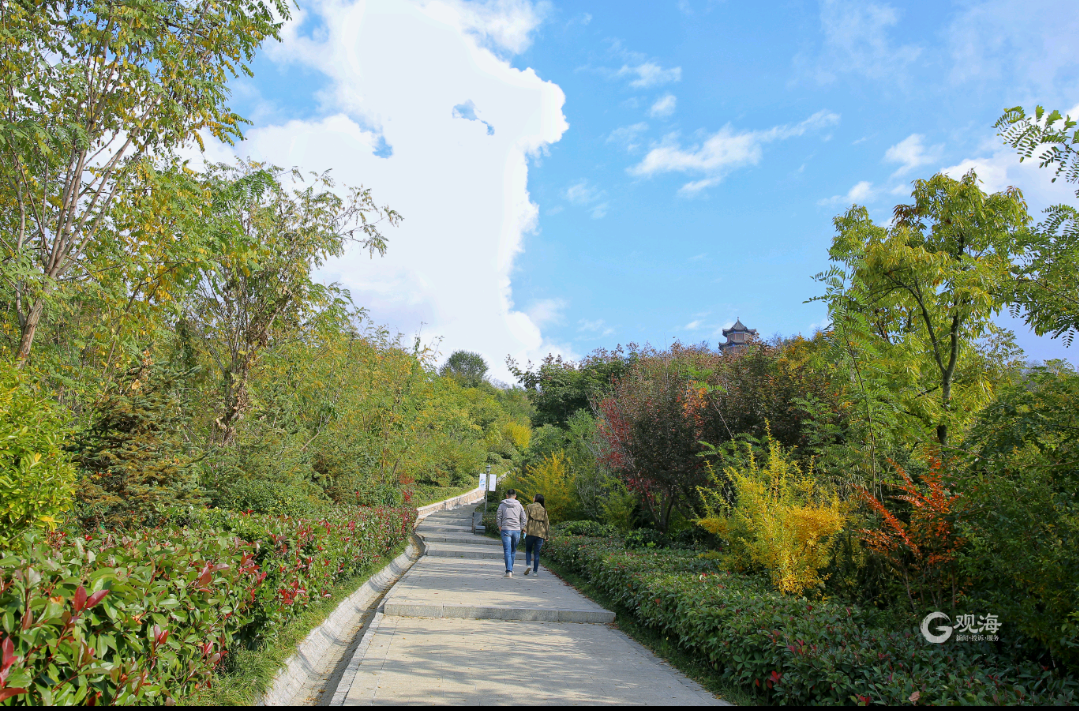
(396, 70)
(693, 325)
(663, 107)
(856, 40)
(595, 328)
(628, 136)
(911, 154)
(546, 311)
(1026, 45)
(649, 74)
(584, 195)
(861, 193)
(721, 152)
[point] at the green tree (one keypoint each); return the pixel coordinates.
(559, 388)
(1046, 287)
(92, 92)
(928, 287)
(466, 367)
(259, 287)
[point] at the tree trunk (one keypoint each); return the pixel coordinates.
(29, 328)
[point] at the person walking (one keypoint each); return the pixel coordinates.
(511, 519)
(537, 530)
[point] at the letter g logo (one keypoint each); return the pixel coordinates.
(942, 632)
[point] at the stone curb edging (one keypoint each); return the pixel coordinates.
(469, 497)
(309, 659)
(310, 656)
(478, 612)
(344, 685)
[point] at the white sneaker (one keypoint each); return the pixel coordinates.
(508, 574)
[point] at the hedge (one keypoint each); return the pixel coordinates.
(145, 617)
(795, 651)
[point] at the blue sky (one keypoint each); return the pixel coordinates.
(576, 175)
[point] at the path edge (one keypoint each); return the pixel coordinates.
(306, 661)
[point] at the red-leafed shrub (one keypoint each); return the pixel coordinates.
(145, 617)
(923, 550)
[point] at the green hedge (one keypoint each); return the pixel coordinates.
(793, 651)
(146, 617)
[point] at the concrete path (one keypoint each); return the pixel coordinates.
(454, 631)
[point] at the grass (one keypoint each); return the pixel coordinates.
(424, 495)
(660, 645)
(250, 672)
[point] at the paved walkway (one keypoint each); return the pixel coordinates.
(454, 631)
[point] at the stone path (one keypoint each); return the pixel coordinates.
(454, 631)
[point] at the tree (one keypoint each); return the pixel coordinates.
(559, 388)
(929, 286)
(466, 367)
(259, 286)
(1046, 288)
(91, 93)
(650, 437)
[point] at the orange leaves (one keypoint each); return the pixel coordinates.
(923, 549)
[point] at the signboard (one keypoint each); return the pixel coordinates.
(492, 482)
(483, 481)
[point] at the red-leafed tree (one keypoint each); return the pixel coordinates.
(651, 431)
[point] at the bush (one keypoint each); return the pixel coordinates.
(780, 520)
(550, 477)
(146, 617)
(646, 538)
(582, 528)
(36, 480)
(792, 651)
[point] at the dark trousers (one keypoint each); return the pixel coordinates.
(532, 543)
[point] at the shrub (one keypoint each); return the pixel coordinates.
(780, 520)
(36, 480)
(550, 477)
(646, 538)
(924, 550)
(146, 617)
(792, 651)
(582, 528)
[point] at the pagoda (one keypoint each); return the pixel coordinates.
(738, 337)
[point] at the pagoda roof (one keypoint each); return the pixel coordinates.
(739, 327)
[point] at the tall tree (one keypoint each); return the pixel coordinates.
(90, 92)
(466, 367)
(259, 287)
(929, 285)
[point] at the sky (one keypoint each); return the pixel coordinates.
(578, 175)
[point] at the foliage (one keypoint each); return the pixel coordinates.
(132, 462)
(1021, 521)
(559, 388)
(924, 549)
(780, 520)
(146, 617)
(648, 439)
(259, 287)
(550, 477)
(92, 92)
(582, 528)
(466, 367)
(929, 286)
(791, 651)
(36, 478)
(1046, 289)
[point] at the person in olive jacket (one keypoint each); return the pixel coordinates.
(537, 530)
